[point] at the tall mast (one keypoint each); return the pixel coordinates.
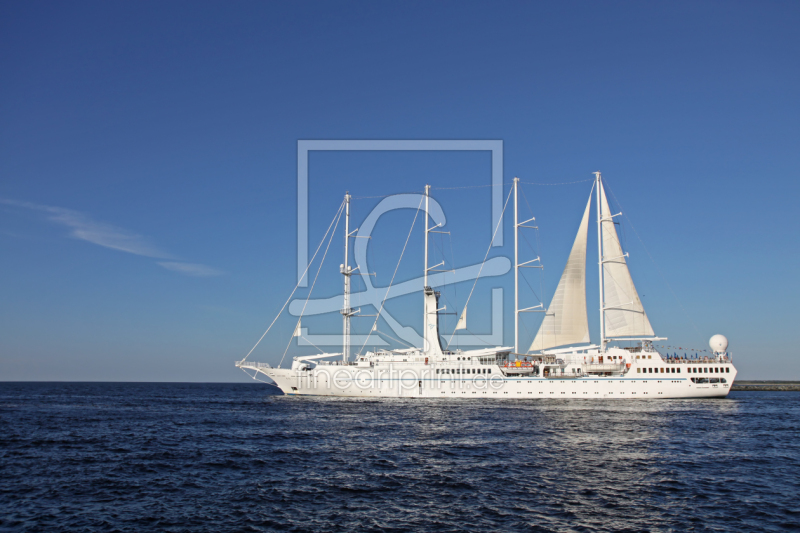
(600, 265)
(427, 197)
(516, 270)
(346, 310)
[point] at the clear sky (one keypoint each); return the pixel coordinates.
(148, 167)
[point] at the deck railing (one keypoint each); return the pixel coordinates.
(703, 361)
(252, 364)
(603, 367)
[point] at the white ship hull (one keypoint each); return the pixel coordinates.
(414, 382)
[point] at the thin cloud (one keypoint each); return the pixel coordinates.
(83, 227)
(190, 269)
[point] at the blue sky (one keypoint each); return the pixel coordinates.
(148, 163)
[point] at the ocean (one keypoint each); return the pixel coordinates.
(238, 457)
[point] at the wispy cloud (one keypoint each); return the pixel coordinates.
(190, 269)
(83, 227)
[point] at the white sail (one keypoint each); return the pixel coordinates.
(565, 321)
(462, 320)
(624, 313)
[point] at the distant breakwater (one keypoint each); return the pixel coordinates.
(766, 386)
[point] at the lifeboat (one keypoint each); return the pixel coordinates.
(517, 367)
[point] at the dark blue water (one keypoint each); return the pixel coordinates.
(186, 457)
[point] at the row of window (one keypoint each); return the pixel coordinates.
(709, 380)
(709, 370)
(650, 371)
(463, 371)
(690, 370)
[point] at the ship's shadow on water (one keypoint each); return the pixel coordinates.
(196, 457)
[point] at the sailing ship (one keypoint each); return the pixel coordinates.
(560, 362)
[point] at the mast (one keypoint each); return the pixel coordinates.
(432, 344)
(427, 197)
(425, 344)
(600, 265)
(516, 270)
(346, 310)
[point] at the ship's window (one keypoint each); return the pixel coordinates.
(437, 370)
(713, 380)
(679, 371)
(650, 370)
(723, 380)
(705, 371)
(727, 369)
(638, 370)
(662, 370)
(649, 356)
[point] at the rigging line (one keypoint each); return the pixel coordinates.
(312, 344)
(531, 288)
(533, 250)
(455, 285)
(558, 183)
(529, 335)
(393, 338)
(499, 223)
(487, 343)
(261, 380)
(663, 277)
(374, 324)
(382, 195)
(341, 206)
(467, 187)
(330, 240)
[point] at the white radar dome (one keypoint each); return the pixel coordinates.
(718, 343)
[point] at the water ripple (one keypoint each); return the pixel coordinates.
(185, 457)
